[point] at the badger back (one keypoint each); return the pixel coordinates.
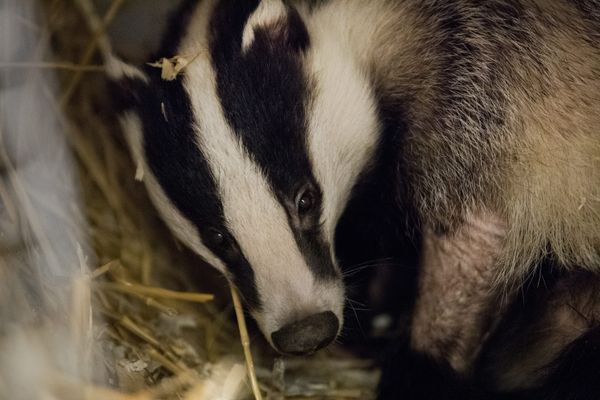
(503, 115)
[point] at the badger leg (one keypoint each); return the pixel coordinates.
(458, 304)
(556, 346)
(459, 300)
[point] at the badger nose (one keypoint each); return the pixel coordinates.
(307, 335)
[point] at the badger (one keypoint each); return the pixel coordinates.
(478, 121)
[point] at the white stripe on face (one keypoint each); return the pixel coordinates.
(343, 124)
(259, 223)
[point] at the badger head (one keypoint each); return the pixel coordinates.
(252, 152)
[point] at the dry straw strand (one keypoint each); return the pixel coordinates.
(135, 288)
(98, 39)
(239, 313)
(53, 65)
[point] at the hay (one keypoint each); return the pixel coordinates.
(124, 307)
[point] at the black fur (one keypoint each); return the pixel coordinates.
(377, 242)
(264, 95)
(590, 13)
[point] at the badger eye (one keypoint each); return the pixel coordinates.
(306, 202)
(217, 238)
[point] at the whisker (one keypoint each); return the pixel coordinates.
(356, 302)
(361, 306)
(356, 270)
(362, 332)
(361, 309)
(360, 269)
(372, 261)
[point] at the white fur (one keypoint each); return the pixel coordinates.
(268, 12)
(259, 223)
(343, 125)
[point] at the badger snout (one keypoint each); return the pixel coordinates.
(306, 335)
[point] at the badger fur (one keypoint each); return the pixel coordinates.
(491, 111)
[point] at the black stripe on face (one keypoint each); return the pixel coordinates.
(179, 165)
(264, 95)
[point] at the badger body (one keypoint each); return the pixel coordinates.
(486, 116)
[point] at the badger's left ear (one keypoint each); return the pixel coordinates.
(277, 24)
(124, 82)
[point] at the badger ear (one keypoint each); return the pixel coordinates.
(124, 81)
(276, 23)
(117, 69)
